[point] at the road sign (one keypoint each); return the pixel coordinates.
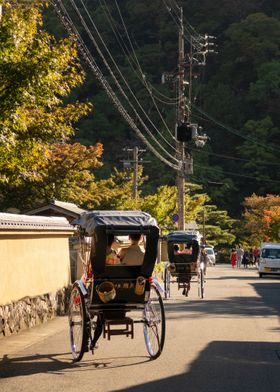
(175, 217)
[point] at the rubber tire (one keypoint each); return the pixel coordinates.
(79, 344)
(166, 283)
(160, 336)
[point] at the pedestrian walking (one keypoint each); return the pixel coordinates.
(245, 259)
(251, 257)
(256, 256)
(233, 258)
(240, 253)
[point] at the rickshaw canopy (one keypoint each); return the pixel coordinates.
(116, 221)
(181, 237)
(98, 224)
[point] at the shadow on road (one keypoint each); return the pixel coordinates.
(225, 366)
(56, 364)
(265, 304)
(246, 306)
(270, 294)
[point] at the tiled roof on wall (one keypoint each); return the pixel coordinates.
(27, 222)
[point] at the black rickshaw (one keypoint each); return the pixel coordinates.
(106, 295)
(183, 265)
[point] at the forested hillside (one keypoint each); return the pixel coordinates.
(236, 94)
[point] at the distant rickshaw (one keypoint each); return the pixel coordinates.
(183, 266)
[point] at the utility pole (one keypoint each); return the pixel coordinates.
(135, 161)
(135, 173)
(187, 134)
(180, 147)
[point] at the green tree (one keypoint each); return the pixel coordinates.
(115, 191)
(218, 226)
(67, 176)
(264, 93)
(262, 158)
(36, 74)
(163, 205)
(243, 94)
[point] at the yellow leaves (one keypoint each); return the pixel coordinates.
(76, 156)
(39, 72)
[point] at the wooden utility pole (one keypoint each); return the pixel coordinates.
(181, 117)
(135, 172)
(135, 161)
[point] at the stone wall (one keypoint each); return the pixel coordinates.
(31, 311)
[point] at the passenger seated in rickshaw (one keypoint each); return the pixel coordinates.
(187, 250)
(112, 259)
(176, 249)
(185, 278)
(133, 255)
(111, 255)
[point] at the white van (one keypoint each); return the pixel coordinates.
(209, 249)
(269, 258)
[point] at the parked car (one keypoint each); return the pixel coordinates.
(269, 259)
(209, 249)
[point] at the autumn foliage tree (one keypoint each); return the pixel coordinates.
(36, 73)
(272, 224)
(261, 218)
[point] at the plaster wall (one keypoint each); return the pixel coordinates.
(32, 264)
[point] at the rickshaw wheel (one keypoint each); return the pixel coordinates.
(166, 283)
(154, 323)
(79, 336)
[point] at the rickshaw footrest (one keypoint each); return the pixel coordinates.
(127, 329)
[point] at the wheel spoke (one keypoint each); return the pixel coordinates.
(154, 324)
(77, 323)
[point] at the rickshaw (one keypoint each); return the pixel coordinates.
(108, 294)
(183, 266)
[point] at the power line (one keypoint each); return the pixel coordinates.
(237, 158)
(140, 69)
(70, 27)
(126, 52)
(233, 131)
(121, 75)
(191, 31)
(236, 174)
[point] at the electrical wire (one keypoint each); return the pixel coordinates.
(70, 27)
(120, 73)
(235, 174)
(235, 158)
(117, 82)
(196, 38)
(127, 52)
(232, 130)
(140, 69)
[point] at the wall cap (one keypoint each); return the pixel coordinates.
(29, 222)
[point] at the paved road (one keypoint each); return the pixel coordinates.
(228, 342)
